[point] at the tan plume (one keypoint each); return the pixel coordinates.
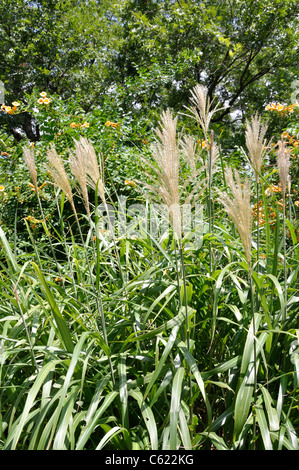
(238, 208)
(201, 107)
(58, 174)
(256, 143)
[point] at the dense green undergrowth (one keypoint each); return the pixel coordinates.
(145, 339)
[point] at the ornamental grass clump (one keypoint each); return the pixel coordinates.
(239, 209)
(81, 163)
(164, 183)
(30, 162)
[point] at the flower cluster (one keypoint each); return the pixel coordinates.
(280, 108)
(204, 144)
(272, 189)
(74, 124)
(10, 109)
(292, 141)
(39, 188)
(260, 211)
(43, 98)
(112, 124)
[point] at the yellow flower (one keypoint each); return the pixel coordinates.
(296, 203)
(2, 188)
(47, 100)
(15, 104)
(86, 124)
(40, 101)
(43, 94)
(73, 124)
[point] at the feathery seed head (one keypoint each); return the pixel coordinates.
(58, 173)
(189, 146)
(77, 166)
(92, 169)
(283, 163)
(255, 142)
(238, 208)
(165, 178)
(30, 162)
(201, 107)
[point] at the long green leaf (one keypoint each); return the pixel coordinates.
(263, 425)
(148, 417)
(62, 328)
(30, 401)
(172, 337)
(8, 252)
(175, 406)
(196, 373)
(90, 427)
(123, 390)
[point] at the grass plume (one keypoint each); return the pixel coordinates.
(201, 107)
(238, 208)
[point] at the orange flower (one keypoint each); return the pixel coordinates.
(40, 101)
(112, 124)
(73, 124)
(204, 144)
(33, 187)
(32, 220)
(280, 108)
(130, 183)
(85, 124)
(272, 189)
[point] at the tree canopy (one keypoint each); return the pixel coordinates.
(147, 54)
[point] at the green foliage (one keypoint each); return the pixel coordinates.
(71, 379)
(136, 341)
